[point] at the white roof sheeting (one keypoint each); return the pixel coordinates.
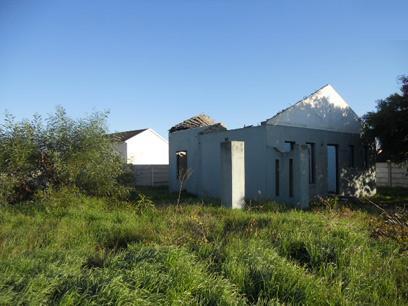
(325, 109)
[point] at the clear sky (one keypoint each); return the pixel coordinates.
(155, 63)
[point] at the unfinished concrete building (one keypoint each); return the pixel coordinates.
(311, 148)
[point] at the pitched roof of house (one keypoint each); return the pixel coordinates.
(123, 136)
(214, 128)
(324, 109)
(298, 102)
(193, 122)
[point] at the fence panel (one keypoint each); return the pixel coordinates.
(151, 175)
(391, 175)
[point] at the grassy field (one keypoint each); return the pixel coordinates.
(72, 249)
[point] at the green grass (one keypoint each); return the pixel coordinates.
(71, 249)
(392, 196)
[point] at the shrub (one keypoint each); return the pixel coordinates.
(144, 204)
(58, 151)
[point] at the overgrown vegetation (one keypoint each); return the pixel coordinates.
(69, 248)
(389, 125)
(72, 233)
(42, 154)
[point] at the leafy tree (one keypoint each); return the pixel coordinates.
(389, 125)
(57, 152)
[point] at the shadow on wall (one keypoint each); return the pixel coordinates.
(358, 182)
(324, 109)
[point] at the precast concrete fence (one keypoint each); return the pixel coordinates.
(151, 175)
(389, 174)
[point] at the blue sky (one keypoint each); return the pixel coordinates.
(155, 63)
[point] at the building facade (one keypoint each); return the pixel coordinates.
(311, 148)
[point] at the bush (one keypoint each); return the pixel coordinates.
(57, 152)
(144, 204)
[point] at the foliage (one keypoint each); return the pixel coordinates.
(56, 152)
(93, 251)
(144, 204)
(183, 177)
(389, 124)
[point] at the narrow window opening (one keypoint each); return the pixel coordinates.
(181, 163)
(291, 177)
(351, 161)
(277, 170)
(312, 161)
(288, 146)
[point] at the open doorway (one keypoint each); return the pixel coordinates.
(332, 169)
(181, 164)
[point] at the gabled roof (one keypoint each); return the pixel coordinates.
(194, 122)
(123, 136)
(324, 109)
(214, 128)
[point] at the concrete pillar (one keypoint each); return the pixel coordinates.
(303, 177)
(233, 174)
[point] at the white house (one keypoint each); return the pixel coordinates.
(142, 147)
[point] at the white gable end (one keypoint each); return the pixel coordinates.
(324, 110)
(147, 148)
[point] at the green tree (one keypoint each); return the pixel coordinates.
(389, 125)
(57, 152)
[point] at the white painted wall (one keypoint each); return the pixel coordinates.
(147, 148)
(323, 110)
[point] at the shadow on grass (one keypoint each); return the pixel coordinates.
(161, 196)
(388, 211)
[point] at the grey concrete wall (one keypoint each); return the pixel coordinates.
(263, 145)
(254, 139)
(277, 135)
(185, 140)
(301, 193)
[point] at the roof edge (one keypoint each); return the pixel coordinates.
(299, 101)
